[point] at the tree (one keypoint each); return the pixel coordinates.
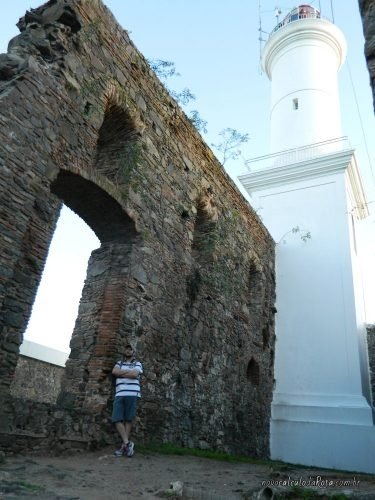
(165, 70)
(232, 139)
(198, 121)
(230, 145)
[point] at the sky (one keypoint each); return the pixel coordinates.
(215, 47)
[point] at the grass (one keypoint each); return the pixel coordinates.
(275, 465)
(171, 449)
(29, 486)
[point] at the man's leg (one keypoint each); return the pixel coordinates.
(123, 430)
(127, 429)
(117, 419)
(130, 444)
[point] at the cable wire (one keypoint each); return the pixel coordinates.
(361, 121)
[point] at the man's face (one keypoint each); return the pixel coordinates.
(128, 351)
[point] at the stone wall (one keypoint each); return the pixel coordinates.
(185, 269)
(36, 380)
(367, 9)
(371, 355)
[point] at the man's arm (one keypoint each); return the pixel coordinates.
(119, 373)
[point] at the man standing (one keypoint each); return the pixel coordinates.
(127, 373)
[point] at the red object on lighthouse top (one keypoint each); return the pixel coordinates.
(304, 11)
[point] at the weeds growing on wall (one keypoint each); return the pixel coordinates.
(90, 30)
(219, 272)
(128, 163)
(303, 234)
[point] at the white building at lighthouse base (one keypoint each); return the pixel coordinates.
(310, 200)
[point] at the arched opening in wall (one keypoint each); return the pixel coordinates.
(119, 149)
(98, 209)
(253, 372)
(204, 232)
(256, 290)
(204, 240)
(97, 334)
(56, 304)
(45, 347)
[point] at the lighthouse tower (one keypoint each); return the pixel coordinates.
(302, 60)
(309, 194)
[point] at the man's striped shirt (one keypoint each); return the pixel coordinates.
(128, 386)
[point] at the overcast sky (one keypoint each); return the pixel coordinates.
(215, 46)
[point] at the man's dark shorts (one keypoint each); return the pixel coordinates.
(124, 408)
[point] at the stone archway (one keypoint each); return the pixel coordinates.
(96, 338)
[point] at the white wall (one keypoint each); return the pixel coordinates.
(43, 353)
(320, 363)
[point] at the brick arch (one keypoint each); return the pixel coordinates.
(98, 333)
(119, 147)
(204, 229)
(95, 206)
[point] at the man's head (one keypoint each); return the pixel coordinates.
(129, 351)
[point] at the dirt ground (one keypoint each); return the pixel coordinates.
(101, 476)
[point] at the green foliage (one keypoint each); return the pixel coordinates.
(146, 234)
(171, 449)
(230, 146)
(90, 30)
(214, 234)
(183, 97)
(197, 121)
(167, 69)
(129, 159)
(29, 486)
(163, 69)
(226, 227)
(304, 234)
(90, 87)
(222, 274)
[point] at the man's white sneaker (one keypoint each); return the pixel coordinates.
(122, 451)
(130, 449)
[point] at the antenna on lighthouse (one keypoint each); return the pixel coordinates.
(333, 15)
(277, 14)
(260, 38)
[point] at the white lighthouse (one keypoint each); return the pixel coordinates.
(302, 60)
(310, 196)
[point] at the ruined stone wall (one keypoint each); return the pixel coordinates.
(367, 9)
(36, 380)
(371, 355)
(185, 270)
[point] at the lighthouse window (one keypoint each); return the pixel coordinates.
(295, 103)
